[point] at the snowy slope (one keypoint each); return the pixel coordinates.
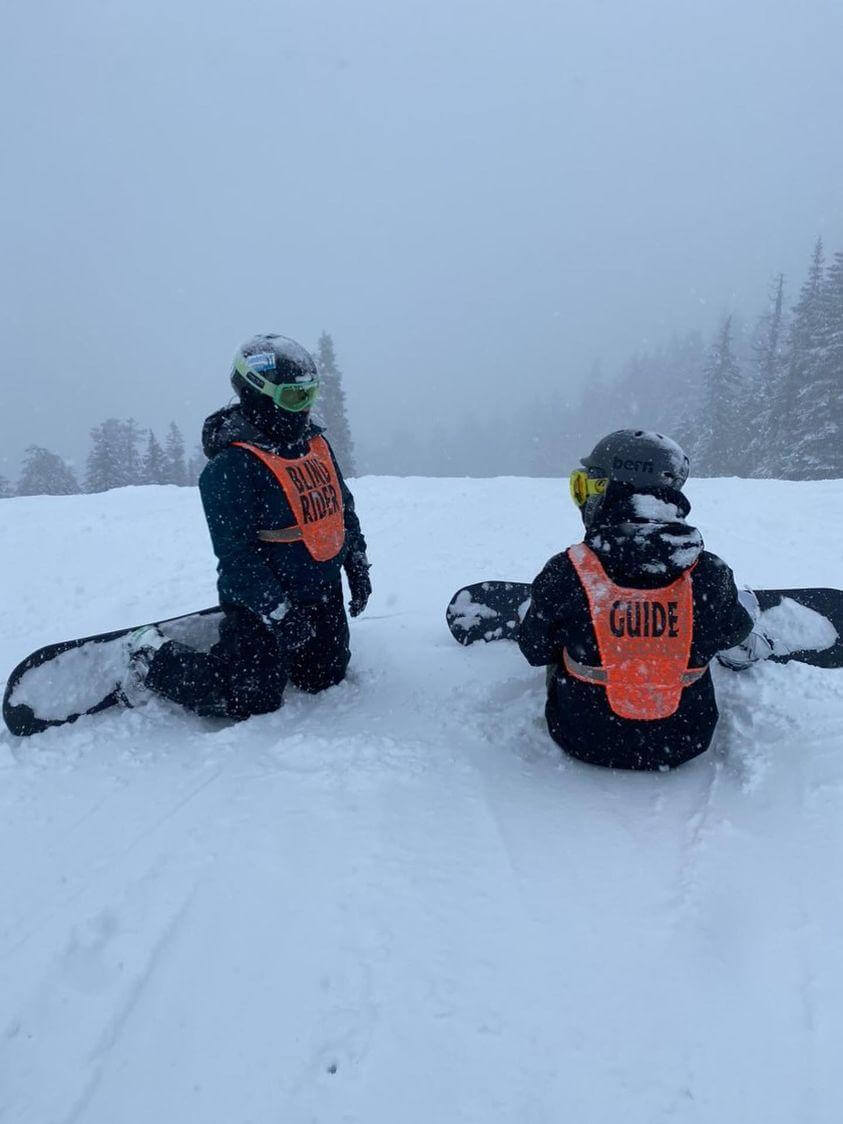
(396, 901)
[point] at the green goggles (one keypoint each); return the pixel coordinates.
(584, 486)
(292, 396)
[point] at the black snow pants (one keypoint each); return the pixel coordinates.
(246, 671)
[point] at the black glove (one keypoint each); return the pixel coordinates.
(292, 625)
(356, 568)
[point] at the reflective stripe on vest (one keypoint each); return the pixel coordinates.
(313, 492)
(644, 639)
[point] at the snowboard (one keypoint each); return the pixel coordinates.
(61, 682)
(805, 624)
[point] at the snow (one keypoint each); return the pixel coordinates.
(396, 900)
(685, 557)
(79, 673)
(651, 507)
(279, 612)
(806, 629)
(467, 611)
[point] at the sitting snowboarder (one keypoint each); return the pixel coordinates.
(629, 619)
(283, 526)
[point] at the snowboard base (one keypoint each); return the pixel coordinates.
(806, 623)
(61, 682)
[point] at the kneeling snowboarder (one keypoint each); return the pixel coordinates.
(283, 527)
(629, 619)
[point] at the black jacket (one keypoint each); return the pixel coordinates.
(241, 496)
(642, 541)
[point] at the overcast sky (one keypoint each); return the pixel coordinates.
(470, 196)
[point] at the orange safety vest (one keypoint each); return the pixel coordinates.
(643, 637)
(313, 492)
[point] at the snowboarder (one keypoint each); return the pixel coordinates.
(283, 527)
(628, 620)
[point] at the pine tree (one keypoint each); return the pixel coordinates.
(681, 391)
(175, 470)
(195, 465)
(45, 474)
(130, 435)
(818, 451)
(721, 442)
(331, 407)
(102, 467)
(804, 348)
(114, 460)
(106, 467)
(832, 365)
(633, 394)
(6, 489)
(659, 390)
(152, 467)
(770, 372)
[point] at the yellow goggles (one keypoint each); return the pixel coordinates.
(584, 486)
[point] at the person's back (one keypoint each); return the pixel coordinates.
(629, 620)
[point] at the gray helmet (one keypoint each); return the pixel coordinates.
(634, 456)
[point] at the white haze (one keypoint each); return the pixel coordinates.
(474, 198)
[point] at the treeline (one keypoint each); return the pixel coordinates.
(123, 454)
(761, 398)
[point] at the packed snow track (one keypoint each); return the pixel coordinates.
(397, 901)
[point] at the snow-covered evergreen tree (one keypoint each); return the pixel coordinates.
(770, 370)
(806, 338)
(684, 388)
(175, 469)
(818, 447)
(197, 462)
(113, 461)
(720, 447)
(661, 390)
(152, 467)
(6, 489)
(132, 460)
(832, 364)
(103, 470)
(330, 408)
(46, 474)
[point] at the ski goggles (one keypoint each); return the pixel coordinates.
(292, 396)
(583, 486)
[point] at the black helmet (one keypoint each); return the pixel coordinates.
(638, 457)
(278, 369)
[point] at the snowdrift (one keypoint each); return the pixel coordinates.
(396, 901)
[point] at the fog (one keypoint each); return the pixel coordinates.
(475, 199)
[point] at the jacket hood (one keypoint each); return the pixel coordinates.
(642, 537)
(229, 424)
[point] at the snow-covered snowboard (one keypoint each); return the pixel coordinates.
(61, 682)
(806, 623)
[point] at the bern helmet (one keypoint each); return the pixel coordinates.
(637, 457)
